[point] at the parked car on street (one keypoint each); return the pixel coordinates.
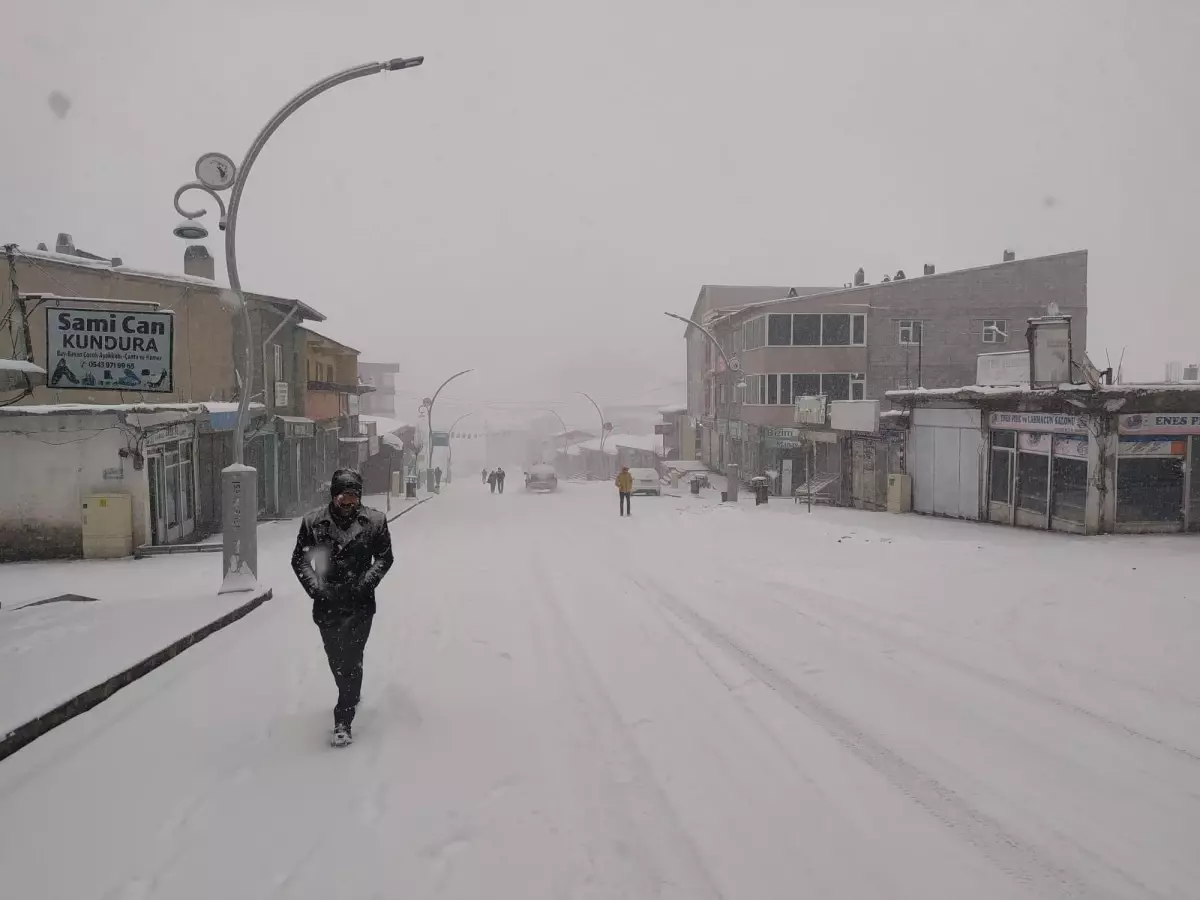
(541, 478)
(646, 481)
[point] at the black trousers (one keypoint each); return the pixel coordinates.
(625, 503)
(345, 638)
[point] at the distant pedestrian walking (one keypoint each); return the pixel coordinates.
(625, 489)
(437, 478)
(483, 475)
(500, 478)
(493, 479)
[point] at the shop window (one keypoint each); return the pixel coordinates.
(806, 330)
(1033, 480)
(1069, 478)
(779, 330)
(835, 330)
(1149, 489)
(1194, 515)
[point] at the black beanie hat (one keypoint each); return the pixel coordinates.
(346, 481)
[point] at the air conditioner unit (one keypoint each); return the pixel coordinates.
(107, 526)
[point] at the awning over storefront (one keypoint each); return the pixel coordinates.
(222, 415)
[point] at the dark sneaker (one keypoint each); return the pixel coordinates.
(341, 736)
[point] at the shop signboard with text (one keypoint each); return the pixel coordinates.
(91, 349)
(1160, 423)
(1062, 423)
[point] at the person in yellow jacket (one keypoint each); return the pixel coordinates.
(625, 489)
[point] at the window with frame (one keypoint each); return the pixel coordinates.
(909, 332)
(772, 389)
(995, 331)
(779, 330)
(1000, 475)
(806, 330)
(805, 386)
(835, 330)
(835, 386)
(858, 331)
(858, 386)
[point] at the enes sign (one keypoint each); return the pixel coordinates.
(94, 349)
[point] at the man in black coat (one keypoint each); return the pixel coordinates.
(342, 553)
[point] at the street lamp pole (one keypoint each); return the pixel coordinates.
(427, 408)
(564, 427)
(731, 365)
(603, 424)
(450, 446)
(215, 173)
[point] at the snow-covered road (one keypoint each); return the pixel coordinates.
(697, 702)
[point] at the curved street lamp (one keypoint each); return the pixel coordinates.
(216, 172)
(560, 422)
(450, 446)
(731, 365)
(604, 426)
(427, 408)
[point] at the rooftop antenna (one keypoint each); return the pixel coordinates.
(1120, 367)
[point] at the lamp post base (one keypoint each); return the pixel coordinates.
(239, 522)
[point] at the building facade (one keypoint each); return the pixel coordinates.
(860, 342)
(382, 377)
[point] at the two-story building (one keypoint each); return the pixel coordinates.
(859, 342)
(155, 425)
(331, 401)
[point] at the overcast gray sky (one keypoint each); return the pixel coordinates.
(560, 172)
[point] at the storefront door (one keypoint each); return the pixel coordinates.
(1193, 479)
(172, 474)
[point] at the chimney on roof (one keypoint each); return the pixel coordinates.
(199, 262)
(1009, 256)
(929, 268)
(42, 246)
(900, 276)
(117, 261)
(860, 278)
(64, 244)
(886, 279)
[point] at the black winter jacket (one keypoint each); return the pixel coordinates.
(349, 562)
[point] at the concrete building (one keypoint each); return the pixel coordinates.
(331, 401)
(859, 342)
(382, 377)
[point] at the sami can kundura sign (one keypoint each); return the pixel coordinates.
(103, 349)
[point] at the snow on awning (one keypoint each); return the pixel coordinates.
(361, 439)
(17, 374)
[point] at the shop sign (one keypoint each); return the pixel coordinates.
(1160, 423)
(1063, 423)
(1149, 445)
(89, 349)
(176, 431)
(783, 434)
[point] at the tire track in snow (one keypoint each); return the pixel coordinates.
(1019, 860)
(612, 729)
(785, 596)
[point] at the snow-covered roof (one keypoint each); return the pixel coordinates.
(613, 441)
(673, 410)
(685, 465)
(384, 425)
(86, 409)
(981, 391)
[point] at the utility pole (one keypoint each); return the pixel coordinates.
(18, 327)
